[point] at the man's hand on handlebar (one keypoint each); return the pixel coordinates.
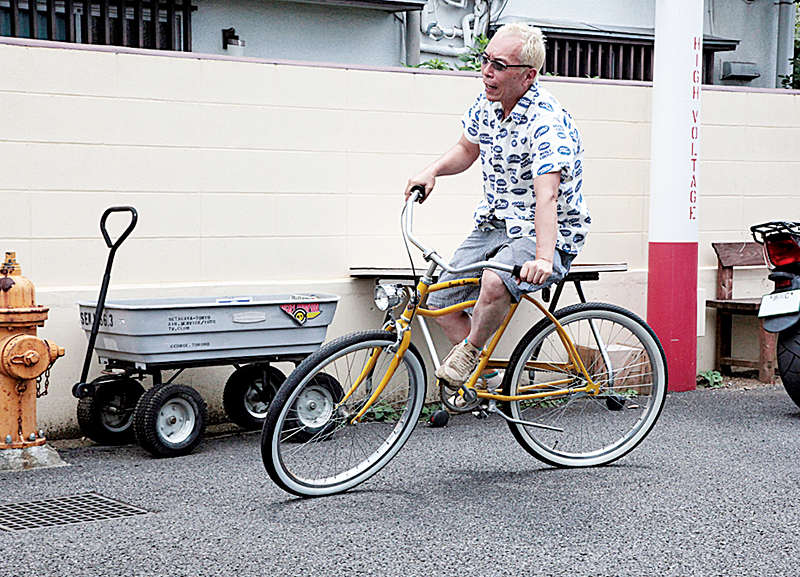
(536, 271)
(421, 182)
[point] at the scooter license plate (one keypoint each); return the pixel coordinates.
(780, 303)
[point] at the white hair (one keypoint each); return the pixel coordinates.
(532, 53)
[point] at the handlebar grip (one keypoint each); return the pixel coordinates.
(419, 189)
(545, 291)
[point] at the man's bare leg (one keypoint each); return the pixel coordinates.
(490, 310)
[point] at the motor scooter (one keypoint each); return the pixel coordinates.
(780, 310)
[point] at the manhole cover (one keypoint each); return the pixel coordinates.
(63, 511)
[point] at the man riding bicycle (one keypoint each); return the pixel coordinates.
(532, 210)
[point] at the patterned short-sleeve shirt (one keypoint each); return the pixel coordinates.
(536, 138)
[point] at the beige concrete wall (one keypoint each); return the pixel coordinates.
(258, 177)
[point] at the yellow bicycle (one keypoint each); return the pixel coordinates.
(583, 387)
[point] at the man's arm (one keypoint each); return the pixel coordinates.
(546, 225)
(454, 161)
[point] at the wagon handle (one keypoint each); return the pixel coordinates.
(81, 389)
(134, 218)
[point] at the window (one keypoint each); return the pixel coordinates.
(160, 25)
(617, 53)
(585, 58)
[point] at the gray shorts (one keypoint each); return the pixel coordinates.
(495, 246)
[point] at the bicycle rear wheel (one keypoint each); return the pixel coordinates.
(309, 445)
(621, 353)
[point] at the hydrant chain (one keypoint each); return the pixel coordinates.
(40, 392)
(21, 388)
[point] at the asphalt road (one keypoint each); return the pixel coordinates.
(712, 491)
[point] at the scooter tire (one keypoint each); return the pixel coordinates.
(789, 361)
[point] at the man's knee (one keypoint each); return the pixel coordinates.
(493, 288)
(449, 320)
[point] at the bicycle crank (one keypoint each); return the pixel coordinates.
(461, 400)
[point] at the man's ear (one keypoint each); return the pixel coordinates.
(530, 77)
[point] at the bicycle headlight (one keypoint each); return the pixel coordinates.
(388, 296)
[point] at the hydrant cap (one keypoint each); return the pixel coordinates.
(25, 357)
(16, 291)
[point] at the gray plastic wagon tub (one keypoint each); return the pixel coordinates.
(184, 330)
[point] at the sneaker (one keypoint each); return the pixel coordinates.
(459, 364)
(488, 382)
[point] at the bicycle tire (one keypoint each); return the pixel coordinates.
(340, 455)
(595, 429)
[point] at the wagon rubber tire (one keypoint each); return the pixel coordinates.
(249, 392)
(107, 416)
(327, 392)
(789, 361)
(170, 420)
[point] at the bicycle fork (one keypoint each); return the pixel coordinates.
(370, 367)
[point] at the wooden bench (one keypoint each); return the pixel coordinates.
(729, 256)
(578, 272)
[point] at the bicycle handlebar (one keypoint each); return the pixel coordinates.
(418, 194)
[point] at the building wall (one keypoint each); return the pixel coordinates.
(297, 31)
(754, 24)
(252, 177)
(618, 13)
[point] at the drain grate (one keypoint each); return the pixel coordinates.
(63, 511)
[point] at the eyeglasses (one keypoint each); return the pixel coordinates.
(497, 65)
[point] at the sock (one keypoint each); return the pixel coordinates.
(473, 347)
(493, 380)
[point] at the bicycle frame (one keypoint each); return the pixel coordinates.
(402, 326)
(574, 364)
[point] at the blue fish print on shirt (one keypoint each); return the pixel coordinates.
(532, 141)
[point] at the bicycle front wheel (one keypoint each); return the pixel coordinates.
(310, 444)
(621, 354)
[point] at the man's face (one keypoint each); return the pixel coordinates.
(506, 86)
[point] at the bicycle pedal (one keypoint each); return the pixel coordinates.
(469, 395)
(455, 404)
(480, 414)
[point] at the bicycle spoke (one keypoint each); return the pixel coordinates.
(623, 360)
(338, 453)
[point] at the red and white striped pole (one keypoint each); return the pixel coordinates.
(672, 266)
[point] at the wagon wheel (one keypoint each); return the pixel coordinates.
(170, 420)
(249, 392)
(107, 416)
(314, 412)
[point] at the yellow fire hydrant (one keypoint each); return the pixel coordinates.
(24, 358)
